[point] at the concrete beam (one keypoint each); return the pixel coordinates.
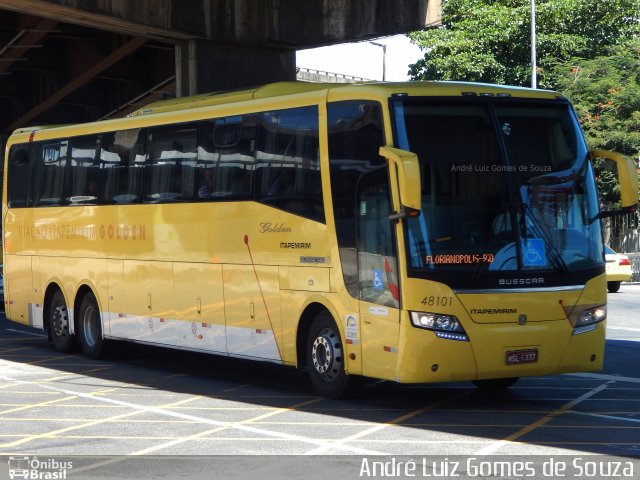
(26, 39)
(203, 66)
(293, 24)
(78, 81)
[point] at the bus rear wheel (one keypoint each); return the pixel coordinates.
(61, 336)
(90, 325)
(325, 357)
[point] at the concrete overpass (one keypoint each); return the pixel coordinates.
(67, 61)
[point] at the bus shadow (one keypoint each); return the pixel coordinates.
(449, 412)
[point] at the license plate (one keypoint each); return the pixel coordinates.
(515, 357)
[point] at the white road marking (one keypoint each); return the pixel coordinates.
(204, 421)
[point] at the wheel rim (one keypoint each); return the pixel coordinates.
(326, 354)
(60, 321)
(90, 325)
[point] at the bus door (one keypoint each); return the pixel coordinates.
(377, 275)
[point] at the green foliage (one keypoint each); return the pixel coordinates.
(605, 92)
(490, 40)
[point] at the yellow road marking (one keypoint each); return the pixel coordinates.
(33, 405)
(84, 425)
(20, 338)
(200, 435)
(394, 421)
(4, 350)
(71, 374)
(58, 419)
(48, 359)
(540, 422)
(7, 385)
(222, 428)
(32, 392)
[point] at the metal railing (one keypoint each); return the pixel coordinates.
(635, 266)
(310, 74)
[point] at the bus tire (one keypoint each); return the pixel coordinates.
(613, 287)
(496, 383)
(325, 357)
(90, 327)
(61, 336)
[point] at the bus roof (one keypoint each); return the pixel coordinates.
(333, 91)
(428, 88)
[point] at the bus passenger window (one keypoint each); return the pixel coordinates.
(226, 157)
(122, 156)
(170, 173)
(287, 162)
(21, 172)
(50, 169)
(85, 181)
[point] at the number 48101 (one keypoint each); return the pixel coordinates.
(436, 301)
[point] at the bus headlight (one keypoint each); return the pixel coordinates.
(444, 326)
(588, 319)
(592, 315)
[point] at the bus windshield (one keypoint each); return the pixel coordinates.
(506, 186)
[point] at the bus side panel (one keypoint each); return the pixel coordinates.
(141, 301)
(252, 311)
(19, 290)
(150, 302)
(116, 288)
(199, 304)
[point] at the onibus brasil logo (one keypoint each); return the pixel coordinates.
(38, 469)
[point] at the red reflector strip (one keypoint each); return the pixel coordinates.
(31, 135)
(259, 331)
(122, 315)
(390, 349)
(162, 320)
(205, 325)
(349, 341)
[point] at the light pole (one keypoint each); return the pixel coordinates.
(384, 58)
(533, 45)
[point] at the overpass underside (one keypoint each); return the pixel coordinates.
(67, 61)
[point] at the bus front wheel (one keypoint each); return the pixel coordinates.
(61, 336)
(91, 339)
(325, 357)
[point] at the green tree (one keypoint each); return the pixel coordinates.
(490, 40)
(605, 92)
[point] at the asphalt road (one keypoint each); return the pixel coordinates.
(154, 402)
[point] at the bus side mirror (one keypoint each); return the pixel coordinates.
(408, 169)
(627, 179)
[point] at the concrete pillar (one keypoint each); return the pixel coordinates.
(203, 66)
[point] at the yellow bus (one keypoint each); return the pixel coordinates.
(411, 232)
